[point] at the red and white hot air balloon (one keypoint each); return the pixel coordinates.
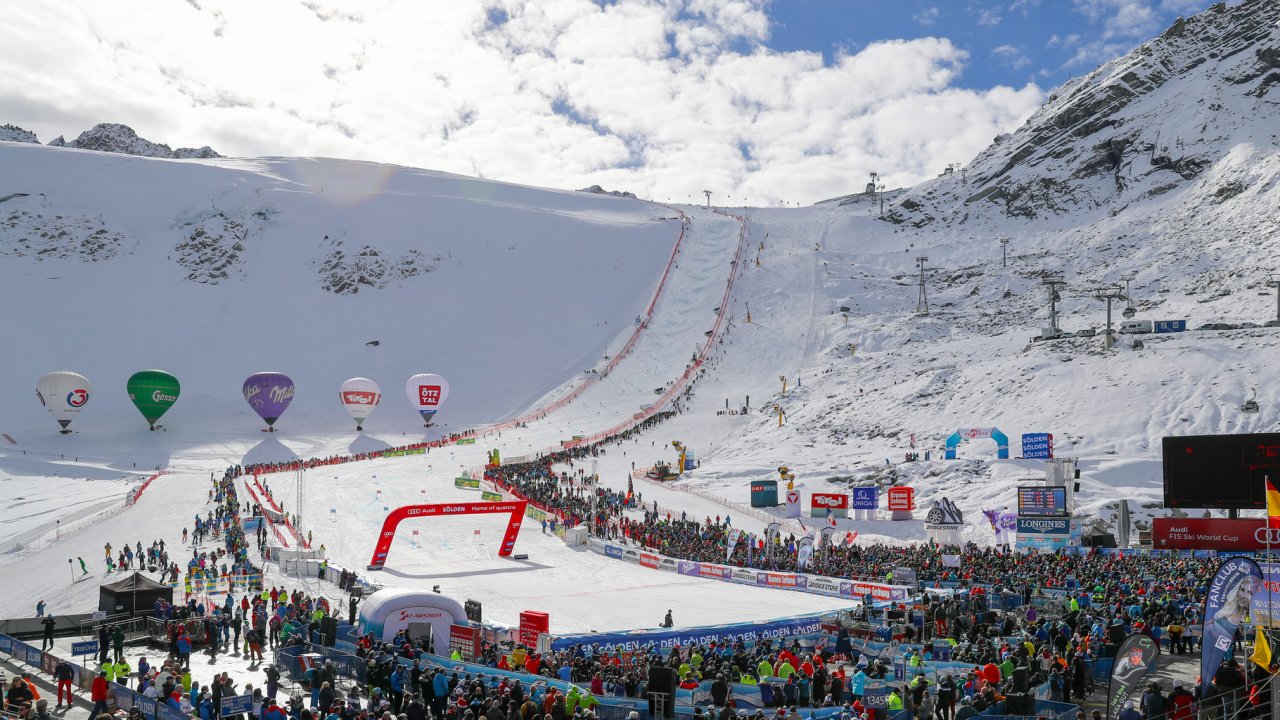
(360, 396)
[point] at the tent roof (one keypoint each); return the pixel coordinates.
(138, 582)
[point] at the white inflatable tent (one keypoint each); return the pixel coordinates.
(387, 612)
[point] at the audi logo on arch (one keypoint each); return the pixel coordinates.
(1267, 535)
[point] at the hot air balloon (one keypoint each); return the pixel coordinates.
(360, 396)
(153, 392)
(427, 392)
(269, 394)
(63, 393)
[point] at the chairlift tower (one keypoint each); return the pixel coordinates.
(1107, 294)
(708, 194)
(1004, 252)
(1129, 309)
(922, 305)
(1273, 280)
(1052, 282)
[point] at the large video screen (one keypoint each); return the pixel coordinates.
(1220, 471)
(1042, 500)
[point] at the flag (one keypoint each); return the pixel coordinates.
(831, 517)
(1261, 648)
(1273, 505)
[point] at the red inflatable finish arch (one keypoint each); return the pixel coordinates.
(516, 509)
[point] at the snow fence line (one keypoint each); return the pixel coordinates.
(794, 528)
(799, 582)
(713, 336)
(265, 513)
(617, 357)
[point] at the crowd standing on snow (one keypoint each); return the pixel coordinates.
(1106, 597)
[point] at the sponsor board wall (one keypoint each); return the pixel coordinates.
(816, 584)
(819, 503)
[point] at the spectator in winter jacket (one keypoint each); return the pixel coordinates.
(64, 674)
(17, 694)
(98, 694)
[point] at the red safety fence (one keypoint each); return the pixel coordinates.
(713, 336)
(679, 385)
(265, 516)
(142, 488)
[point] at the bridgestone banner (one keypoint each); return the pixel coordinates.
(1135, 658)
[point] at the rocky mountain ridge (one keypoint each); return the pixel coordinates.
(113, 138)
(1138, 127)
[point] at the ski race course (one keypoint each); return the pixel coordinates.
(676, 333)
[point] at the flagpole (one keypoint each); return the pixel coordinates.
(1266, 576)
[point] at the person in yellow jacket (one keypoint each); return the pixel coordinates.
(785, 670)
(765, 669)
(518, 657)
(747, 680)
(122, 671)
(455, 655)
(893, 702)
(109, 669)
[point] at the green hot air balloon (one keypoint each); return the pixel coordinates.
(153, 392)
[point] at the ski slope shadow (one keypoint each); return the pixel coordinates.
(269, 450)
(367, 444)
(522, 566)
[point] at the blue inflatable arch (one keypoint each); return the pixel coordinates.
(1002, 442)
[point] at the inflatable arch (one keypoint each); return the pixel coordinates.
(516, 509)
(1002, 440)
(387, 612)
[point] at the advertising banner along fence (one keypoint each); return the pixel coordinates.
(1229, 598)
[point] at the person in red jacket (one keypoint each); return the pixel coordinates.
(98, 694)
(1181, 702)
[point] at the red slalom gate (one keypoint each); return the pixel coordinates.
(516, 509)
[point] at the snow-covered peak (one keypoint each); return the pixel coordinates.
(1144, 124)
(13, 133)
(117, 138)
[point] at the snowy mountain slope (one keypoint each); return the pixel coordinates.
(1153, 121)
(217, 270)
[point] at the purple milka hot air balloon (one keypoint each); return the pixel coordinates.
(269, 394)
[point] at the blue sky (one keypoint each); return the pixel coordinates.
(1009, 42)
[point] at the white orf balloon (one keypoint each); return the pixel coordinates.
(360, 396)
(64, 394)
(427, 393)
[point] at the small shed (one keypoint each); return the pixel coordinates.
(136, 593)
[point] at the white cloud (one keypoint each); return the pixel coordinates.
(989, 17)
(1010, 56)
(927, 16)
(654, 96)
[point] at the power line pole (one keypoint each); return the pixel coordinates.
(1129, 309)
(300, 479)
(922, 305)
(1053, 281)
(1107, 294)
(1004, 252)
(1273, 280)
